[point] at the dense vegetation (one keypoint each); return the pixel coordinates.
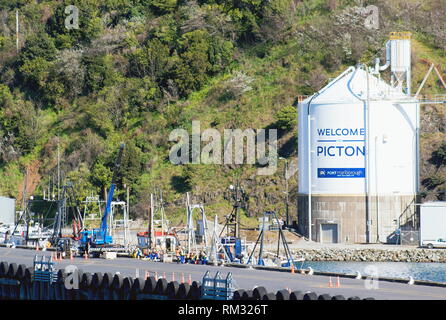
(136, 69)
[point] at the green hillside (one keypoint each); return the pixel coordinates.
(135, 70)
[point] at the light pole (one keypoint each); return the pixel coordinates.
(238, 197)
(232, 221)
(286, 192)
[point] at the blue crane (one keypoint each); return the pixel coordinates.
(101, 236)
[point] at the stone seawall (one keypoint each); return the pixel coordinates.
(372, 255)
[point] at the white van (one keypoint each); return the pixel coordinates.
(439, 243)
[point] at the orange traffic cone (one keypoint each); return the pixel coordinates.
(182, 277)
(330, 284)
(338, 283)
(190, 280)
(156, 276)
(292, 268)
(71, 256)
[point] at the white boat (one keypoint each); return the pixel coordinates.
(17, 234)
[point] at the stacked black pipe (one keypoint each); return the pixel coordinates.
(260, 293)
(16, 283)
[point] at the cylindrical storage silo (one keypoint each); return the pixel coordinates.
(358, 150)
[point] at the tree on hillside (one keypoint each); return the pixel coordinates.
(438, 157)
(101, 176)
(432, 182)
(286, 118)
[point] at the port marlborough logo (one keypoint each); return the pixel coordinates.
(250, 146)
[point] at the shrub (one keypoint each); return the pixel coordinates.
(286, 118)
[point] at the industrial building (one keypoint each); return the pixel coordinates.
(7, 210)
(358, 153)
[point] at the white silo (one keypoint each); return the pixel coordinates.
(358, 154)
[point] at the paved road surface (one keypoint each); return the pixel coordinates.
(244, 278)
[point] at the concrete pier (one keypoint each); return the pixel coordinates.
(245, 278)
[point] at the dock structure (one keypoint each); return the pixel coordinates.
(101, 280)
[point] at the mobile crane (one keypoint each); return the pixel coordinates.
(100, 238)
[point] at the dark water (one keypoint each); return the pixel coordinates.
(418, 270)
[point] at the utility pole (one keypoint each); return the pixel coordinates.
(262, 234)
(287, 194)
(233, 223)
(25, 207)
(287, 219)
(164, 226)
(151, 221)
(189, 224)
(128, 199)
(237, 213)
(58, 172)
(17, 29)
(238, 199)
(215, 242)
(24, 190)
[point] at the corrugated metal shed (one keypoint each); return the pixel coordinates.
(7, 210)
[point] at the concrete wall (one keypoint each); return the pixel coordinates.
(349, 213)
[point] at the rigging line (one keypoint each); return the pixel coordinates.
(48, 211)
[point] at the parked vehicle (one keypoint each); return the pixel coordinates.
(439, 243)
(433, 224)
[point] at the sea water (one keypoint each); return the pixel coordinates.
(429, 271)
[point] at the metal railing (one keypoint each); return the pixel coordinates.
(217, 288)
(44, 271)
